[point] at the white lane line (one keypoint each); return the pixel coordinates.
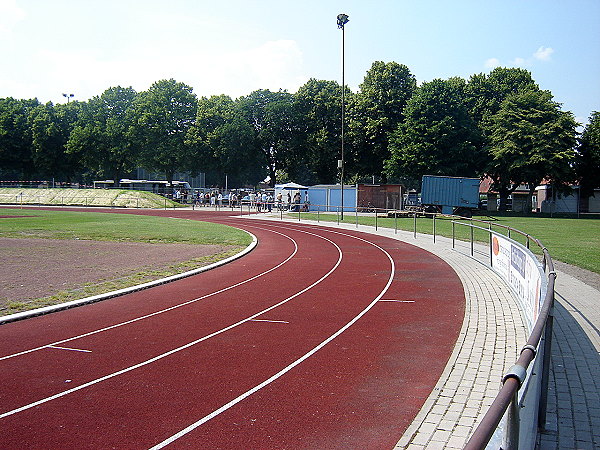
(398, 301)
(270, 321)
(183, 347)
(68, 348)
(117, 325)
(268, 381)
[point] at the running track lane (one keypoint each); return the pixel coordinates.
(360, 390)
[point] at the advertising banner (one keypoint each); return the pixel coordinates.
(522, 272)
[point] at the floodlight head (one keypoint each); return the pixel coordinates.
(342, 19)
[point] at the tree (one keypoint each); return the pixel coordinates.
(438, 136)
(16, 159)
(271, 116)
(375, 114)
(163, 116)
(531, 140)
(318, 134)
(587, 162)
(101, 136)
(51, 126)
(484, 94)
(224, 144)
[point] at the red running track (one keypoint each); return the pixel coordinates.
(319, 338)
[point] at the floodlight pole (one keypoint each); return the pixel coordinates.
(68, 96)
(342, 19)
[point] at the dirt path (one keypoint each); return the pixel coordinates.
(35, 268)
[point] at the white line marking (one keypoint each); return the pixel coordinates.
(398, 301)
(163, 310)
(271, 321)
(70, 349)
(183, 347)
(286, 369)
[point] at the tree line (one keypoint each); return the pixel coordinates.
(500, 125)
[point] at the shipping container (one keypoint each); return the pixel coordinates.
(450, 195)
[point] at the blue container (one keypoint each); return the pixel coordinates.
(450, 194)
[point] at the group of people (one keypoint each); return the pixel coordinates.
(262, 200)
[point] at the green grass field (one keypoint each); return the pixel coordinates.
(116, 227)
(574, 241)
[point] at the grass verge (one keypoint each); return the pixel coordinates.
(115, 227)
(574, 241)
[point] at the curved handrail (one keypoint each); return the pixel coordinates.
(517, 374)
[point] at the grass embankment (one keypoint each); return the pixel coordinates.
(84, 197)
(574, 241)
(121, 228)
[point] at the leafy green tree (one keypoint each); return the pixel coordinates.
(274, 123)
(484, 94)
(51, 126)
(375, 113)
(587, 162)
(438, 136)
(101, 137)
(162, 117)
(318, 144)
(16, 159)
(531, 140)
(224, 143)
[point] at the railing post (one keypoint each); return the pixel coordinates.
(491, 247)
(453, 228)
(395, 223)
(543, 405)
(415, 225)
(511, 435)
(434, 216)
(472, 244)
(375, 219)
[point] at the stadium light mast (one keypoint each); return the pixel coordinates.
(342, 20)
(69, 96)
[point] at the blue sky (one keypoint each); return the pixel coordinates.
(50, 47)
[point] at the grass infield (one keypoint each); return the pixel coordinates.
(116, 227)
(34, 223)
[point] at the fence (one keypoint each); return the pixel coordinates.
(522, 398)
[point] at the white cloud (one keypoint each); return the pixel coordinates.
(273, 65)
(519, 62)
(492, 63)
(10, 15)
(543, 53)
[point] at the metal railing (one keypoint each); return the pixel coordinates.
(536, 349)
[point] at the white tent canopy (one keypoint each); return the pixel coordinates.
(290, 186)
